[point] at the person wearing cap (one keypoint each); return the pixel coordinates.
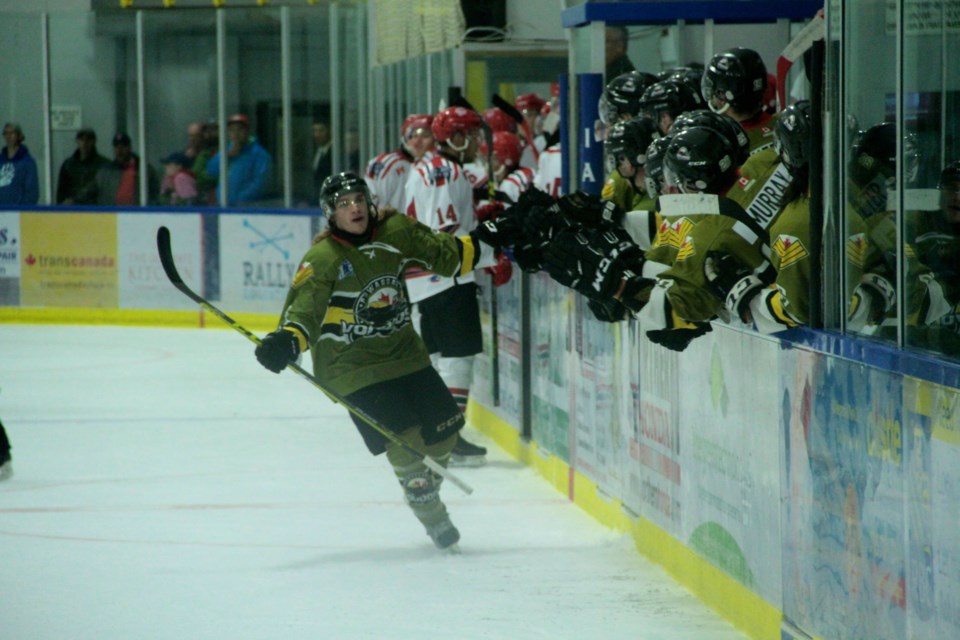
(179, 186)
(248, 164)
(18, 170)
(206, 186)
(117, 183)
(79, 170)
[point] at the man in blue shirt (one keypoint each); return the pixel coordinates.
(18, 170)
(248, 164)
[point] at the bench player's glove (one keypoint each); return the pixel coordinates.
(278, 349)
(732, 282)
(594, 263)
(589, 210)
(678, 339)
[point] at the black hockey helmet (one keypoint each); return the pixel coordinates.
(340, 184)
(950, 176)
(672, 96)
(653, 167)
(736, 77)
(700, 160)
(630, 139)
(875, 153)
(719, 122)
(621, 96)
(792, 135)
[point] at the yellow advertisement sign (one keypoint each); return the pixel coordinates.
(69, 260)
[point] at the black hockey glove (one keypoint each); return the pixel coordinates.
(530, 198)
(541, 225)
(732, 282)
(593, 264)
(608, 310)
(589, 210)
(678, 339)
(277, 350)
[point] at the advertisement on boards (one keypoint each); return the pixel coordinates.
(143, 284)
(259, 255)
(10, 258)
(69, 260)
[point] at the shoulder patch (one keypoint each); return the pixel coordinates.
(790, 249)
(304, 273)
(345, 271)
(687, 249)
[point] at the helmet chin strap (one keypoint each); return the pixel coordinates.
(719, 110)
(461, 149)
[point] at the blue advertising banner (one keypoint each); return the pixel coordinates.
(590, 170)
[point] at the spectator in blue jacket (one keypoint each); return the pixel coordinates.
(18, 170)
(248, 164)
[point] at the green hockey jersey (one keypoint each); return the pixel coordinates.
(350, 303)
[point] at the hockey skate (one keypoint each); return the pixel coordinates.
(467, 454)
(445, 536)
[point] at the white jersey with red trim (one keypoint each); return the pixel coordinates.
(477, 174)
(438, 193)
(516, 183)
(550, 174)
(386, 175)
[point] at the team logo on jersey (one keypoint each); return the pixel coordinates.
(345, 271)
(380, 310)
(672, 234)
(857, 249)
(687, 249)
(440, 174)
(304, 273)
(790, 249)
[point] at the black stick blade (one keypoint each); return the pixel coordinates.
(507, 108)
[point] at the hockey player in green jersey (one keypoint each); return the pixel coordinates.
(347, 304)
(626, 151)
(621, 102)
(785, 304)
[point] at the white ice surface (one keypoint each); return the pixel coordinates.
(168, 487)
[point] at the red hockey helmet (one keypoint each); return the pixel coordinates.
(413, 122)
(529, 101)
(499, 120)
(507, 148)
(452, 120)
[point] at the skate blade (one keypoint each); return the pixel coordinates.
(452, 550)
(6, 471)
(467, 461)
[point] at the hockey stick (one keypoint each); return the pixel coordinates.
(170, 268)
(517, 117)
(801, 43)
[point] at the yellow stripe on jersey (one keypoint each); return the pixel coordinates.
(679, 323)
(301, 339)
(775, 304)
(468, 254)
(336, 315)
(304, 273)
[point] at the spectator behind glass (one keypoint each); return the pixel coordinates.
(195, 141)
(18, 171)
(178, 187)
(79, 170)
(206, 185)
(617, 61)
(322, 165)
(118, 182)
(248, 164)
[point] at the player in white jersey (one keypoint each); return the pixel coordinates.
(439, 194)
(387, 174)
(512, 179)
(530, 104)
(549, 177)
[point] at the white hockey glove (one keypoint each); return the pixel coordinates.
(871, 301)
